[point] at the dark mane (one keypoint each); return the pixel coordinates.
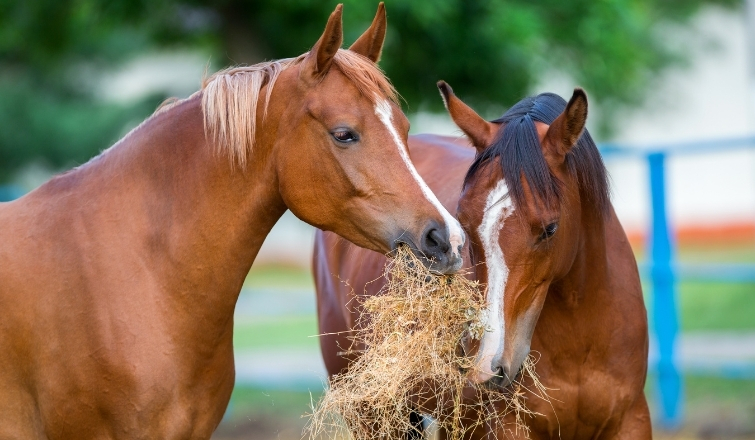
(520, 155)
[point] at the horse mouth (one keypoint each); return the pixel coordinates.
(465, 349)
(501, 382)
(445, 264)
(430, 263)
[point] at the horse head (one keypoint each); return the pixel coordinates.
(340, 147)
(522, 206)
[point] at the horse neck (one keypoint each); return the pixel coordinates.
(202, 222)
(588, 277)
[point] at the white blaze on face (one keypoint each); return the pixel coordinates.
(384, 111)
(498, 207)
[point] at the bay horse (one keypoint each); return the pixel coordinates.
(561, 279)
(118, 279)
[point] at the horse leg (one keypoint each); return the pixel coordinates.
(475, 428)
(416, 430)
(477, 433)
(636, 422)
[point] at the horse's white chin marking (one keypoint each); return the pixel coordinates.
(498, 207)
(456, 236)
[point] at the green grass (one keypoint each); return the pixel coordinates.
(279, 403)
(698, 389)
(712, 306)
(705, 306)
(717, 306)
(276, 332)
(717, 405)
(280, 277)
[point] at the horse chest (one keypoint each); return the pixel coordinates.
(594, 370)
(586, 403)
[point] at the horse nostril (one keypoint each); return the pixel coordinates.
(435, 242)
(435, 247)
(430, 240)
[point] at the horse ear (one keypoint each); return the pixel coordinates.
(370, 44)
(566, 130)
(478, 130)
(319, 59)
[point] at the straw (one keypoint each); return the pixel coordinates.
(409, 337)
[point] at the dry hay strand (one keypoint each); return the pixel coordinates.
(412, 362)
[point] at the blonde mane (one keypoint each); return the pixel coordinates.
(230, 97)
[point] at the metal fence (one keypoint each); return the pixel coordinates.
(663, 271)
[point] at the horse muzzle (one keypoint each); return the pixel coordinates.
(504, 378)
(439, 251)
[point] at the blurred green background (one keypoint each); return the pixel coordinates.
(53, 53)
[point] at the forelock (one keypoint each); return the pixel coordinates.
(368, 78)
(520, 156)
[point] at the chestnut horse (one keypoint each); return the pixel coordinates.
(118, 279)
(561, 279)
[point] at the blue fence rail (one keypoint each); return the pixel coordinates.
(664, 271)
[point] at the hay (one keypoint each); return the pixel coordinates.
(412, 362)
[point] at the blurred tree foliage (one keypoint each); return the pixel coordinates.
(491, 51)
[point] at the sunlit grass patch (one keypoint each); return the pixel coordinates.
(276, 332)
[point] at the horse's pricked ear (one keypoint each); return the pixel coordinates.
(566, 130)
(370, 44)
(320, 57)
(478, 130)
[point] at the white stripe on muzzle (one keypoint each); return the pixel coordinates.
(498, 208)
(456, 236)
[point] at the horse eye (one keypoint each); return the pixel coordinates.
(549, 231)
(344, 136)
